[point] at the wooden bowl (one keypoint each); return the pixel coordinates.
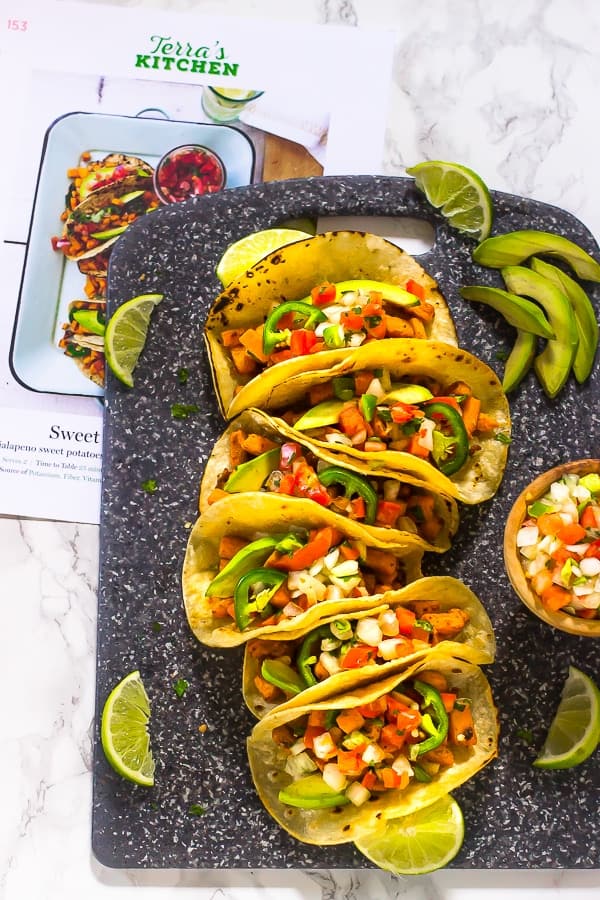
(512, 560)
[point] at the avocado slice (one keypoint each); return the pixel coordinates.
(518, 311)
(393, 293)
(279, 673)
(519, 361)
(109, 233)
(311, 792)
(408, 393)
(585, 318)
(250, 557)
(517, 246)
(90, 320)
(251, 475)
(553, 364)
(325, 413)
(132, 195)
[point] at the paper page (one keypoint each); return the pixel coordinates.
(146, 96)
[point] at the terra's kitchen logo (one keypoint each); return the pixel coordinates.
(169, 55)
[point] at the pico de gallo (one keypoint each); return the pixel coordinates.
(277, 578)
(188, 171)
(341, 756)
(334, 316)
(559, 546)
(288, 667)
(367, 411)
(289, 468)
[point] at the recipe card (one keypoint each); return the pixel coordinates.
(88, 130)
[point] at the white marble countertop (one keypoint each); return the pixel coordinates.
(508, 88)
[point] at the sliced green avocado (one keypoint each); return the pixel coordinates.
(109, 233)
(522, 313)
(585, 318)
(408, 393)
(279, 673)
(519, 361)
(326, 413)
(311, 792)
(391, 292)
(553, 364)
(88, 181)
(132, 195)
(251, 475)
(250, 557)
(517, 246)
(90, 320)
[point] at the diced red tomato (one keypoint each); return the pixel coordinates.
(571, 534)
(413, 287)
(406, 620)
(352, 321)
(350, 762)
(323, 293)
(357, 657)
(312, 731)
(301, 341)
(289, 452)
(404, 412)
(593, 549)
(588, 517)
(392, 737)
(357, 504)
(374, 709)
(369, 780)
(388, 512)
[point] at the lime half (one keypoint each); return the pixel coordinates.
(459, 194)
(124, 731)
(250, 249)
(419, 843)
(574, 732)
(126, 335)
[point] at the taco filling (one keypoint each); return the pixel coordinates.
(83, 338)
(276, 579)
(93, 174)
(334, 316)
(367, 411)
(288, 667)
(340, 757)
(289, 468)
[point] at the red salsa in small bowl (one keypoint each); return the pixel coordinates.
(188, 171)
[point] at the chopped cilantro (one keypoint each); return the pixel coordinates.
(526, 735)
(156, 627)
(183, 410)
(149, 485)
(502, 355)
(196, 810)
(182, 375)
(180, 686)
(503, 438)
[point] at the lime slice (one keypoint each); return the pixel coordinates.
(124, 731)
(459, 193)
(418, 843)
(251, 248)
(126, 335)
(574, 732)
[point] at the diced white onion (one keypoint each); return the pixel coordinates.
(334, 437)
(356, 339)
(345, 568)
(296, 766)
(372, 754)
(357, 793)
(333, 777)
(579, 549)
(391, 489)
(334, 592)
(582, 590)
(360, 437)
(402, 765)
(388, 648)
(369, 632)
(333, 313)
(527, 535)
(425, 435)
(376, 389)
(298, 747)
(331, 559)
(291, 610)
(329, 663)
(559, 492)
(323, 746)
(590, 566)
(388, 622)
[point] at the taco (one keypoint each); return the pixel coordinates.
(254, 456)
(93, 174)
(310, 298)
(103, 216)
(83, 338)
(261, 568)
(332, 770)
(419, 407)
(345, 651)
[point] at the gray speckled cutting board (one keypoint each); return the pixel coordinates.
(515, 816)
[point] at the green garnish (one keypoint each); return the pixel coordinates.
(156, 627)
(196, 810)
(182, 375)
(503, 438)
(180, 687)
(150, 485)
(183, 410)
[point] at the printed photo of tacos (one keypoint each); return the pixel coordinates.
(254, 568)
(345, 651)
(419, 407)
(311, 299)
(93, 174)
(83, 338)
(334, 769)
(254, 456)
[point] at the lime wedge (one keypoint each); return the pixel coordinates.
(126, 335)
(459, 194)
(124, 731)
(250, 249)
(418, 843)
(574, 732)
